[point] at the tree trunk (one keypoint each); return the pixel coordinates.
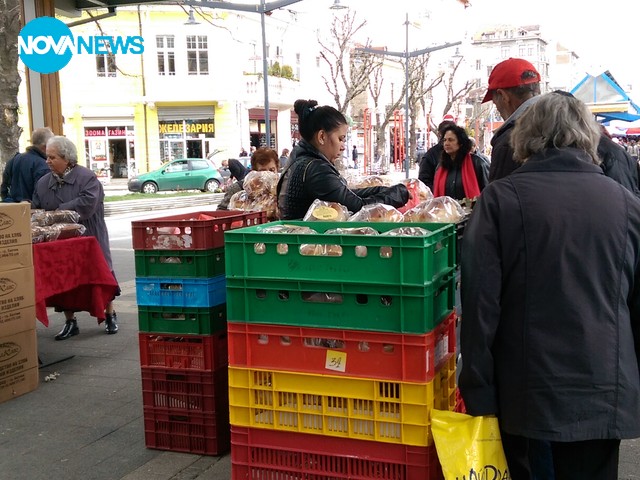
(9, 79)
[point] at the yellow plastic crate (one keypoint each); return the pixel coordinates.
(366, 409)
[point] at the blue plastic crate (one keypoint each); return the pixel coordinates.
(181, 292)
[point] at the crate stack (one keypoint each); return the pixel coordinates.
(181, 294)
(336, 360)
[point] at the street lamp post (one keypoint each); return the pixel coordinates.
(406, 55)
(263, 9)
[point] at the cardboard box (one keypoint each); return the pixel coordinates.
(19, 384)
(15, 224)
(17, 289)
(17, 320)
(18, 364)
(16, 256)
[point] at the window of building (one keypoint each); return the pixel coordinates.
(530, 51)
(197, 55)
(106, 63)
(505, 51)
(165, 45)
(522, 50)
(298, 65)
(478, 65)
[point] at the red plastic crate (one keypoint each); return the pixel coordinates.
(189, 432)
(352, 353)
(191, 231)
(181, 392)
(184, 352)
(272, 454)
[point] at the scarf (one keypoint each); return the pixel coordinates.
(469, 179)
(60, 178)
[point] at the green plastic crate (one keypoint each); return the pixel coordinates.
(185, 320)
(364, 259)
(180, 263)
(383, 308)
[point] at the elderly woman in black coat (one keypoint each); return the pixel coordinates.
(70, 186)
(551, 298)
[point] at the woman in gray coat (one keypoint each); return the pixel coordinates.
(70, 186)
(551, 299)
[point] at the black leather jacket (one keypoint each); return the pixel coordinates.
(311, 176)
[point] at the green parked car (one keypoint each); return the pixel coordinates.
(181, 174)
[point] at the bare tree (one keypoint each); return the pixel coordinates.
(10, 131)
(349, 70)
(455, 94)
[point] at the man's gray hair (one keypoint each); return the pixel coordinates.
(557, 120)
(40, 136)
(65, 148)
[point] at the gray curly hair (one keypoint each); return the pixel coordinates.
(557, 120)
(65, 148)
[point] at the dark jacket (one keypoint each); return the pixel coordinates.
(551, 326)
(502, 163)
(311, 176)
(429, 163)
(82, 192)
(618, 164)
(453, 184)
(21, 174)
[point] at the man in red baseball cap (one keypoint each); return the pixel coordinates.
(514, 84)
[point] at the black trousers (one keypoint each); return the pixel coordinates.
(591, 459)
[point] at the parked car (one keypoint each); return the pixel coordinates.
(180, 174)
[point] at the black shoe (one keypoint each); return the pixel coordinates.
(70, 329)
(111, 323)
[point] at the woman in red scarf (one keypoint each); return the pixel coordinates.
(460, 173)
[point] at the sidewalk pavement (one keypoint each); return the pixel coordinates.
(88, 423)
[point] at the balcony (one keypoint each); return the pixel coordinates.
(282, 91)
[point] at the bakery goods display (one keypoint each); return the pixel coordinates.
(259, 194)
(437, 210)
(377, 212)
(322, 211)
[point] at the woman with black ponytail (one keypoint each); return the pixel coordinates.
(311, 173)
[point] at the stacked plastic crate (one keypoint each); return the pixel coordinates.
(335, 361)
(181, 295)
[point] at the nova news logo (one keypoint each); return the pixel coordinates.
(46, 45)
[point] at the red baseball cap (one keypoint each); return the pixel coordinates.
(508, 73)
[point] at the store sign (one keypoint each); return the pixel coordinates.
(94, 132)
(117, 131)
(182, 127)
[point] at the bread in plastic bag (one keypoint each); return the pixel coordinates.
(438, 210)
(377, 212)
(260, 183)
(46, 218)
(407, 232)
(370, 181)
(322, 211)
(352, 231)
(284, 228)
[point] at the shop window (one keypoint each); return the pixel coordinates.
(165, 45)
(197, 55)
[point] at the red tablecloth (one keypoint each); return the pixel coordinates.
(72, 274)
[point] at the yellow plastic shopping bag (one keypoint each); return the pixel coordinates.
(469, 448)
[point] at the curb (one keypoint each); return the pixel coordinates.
(147, 205)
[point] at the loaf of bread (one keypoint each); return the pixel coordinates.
(321, 211)
(377, 212)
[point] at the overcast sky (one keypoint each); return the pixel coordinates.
(603, 34)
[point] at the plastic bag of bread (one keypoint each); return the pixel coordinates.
(260, 183)
(39, 217)
(38, 234)
(320, 250)
(239, 201)
(352, 231)
(438, 210)
(377, 212)
(418, 193)
(370, 181)
(407, 232)
(264, 203)
(284, 228)
(64, 216)
(61, 231)
(320, 211)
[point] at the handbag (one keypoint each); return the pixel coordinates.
(468, 447)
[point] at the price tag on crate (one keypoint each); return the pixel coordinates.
(336, 361)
